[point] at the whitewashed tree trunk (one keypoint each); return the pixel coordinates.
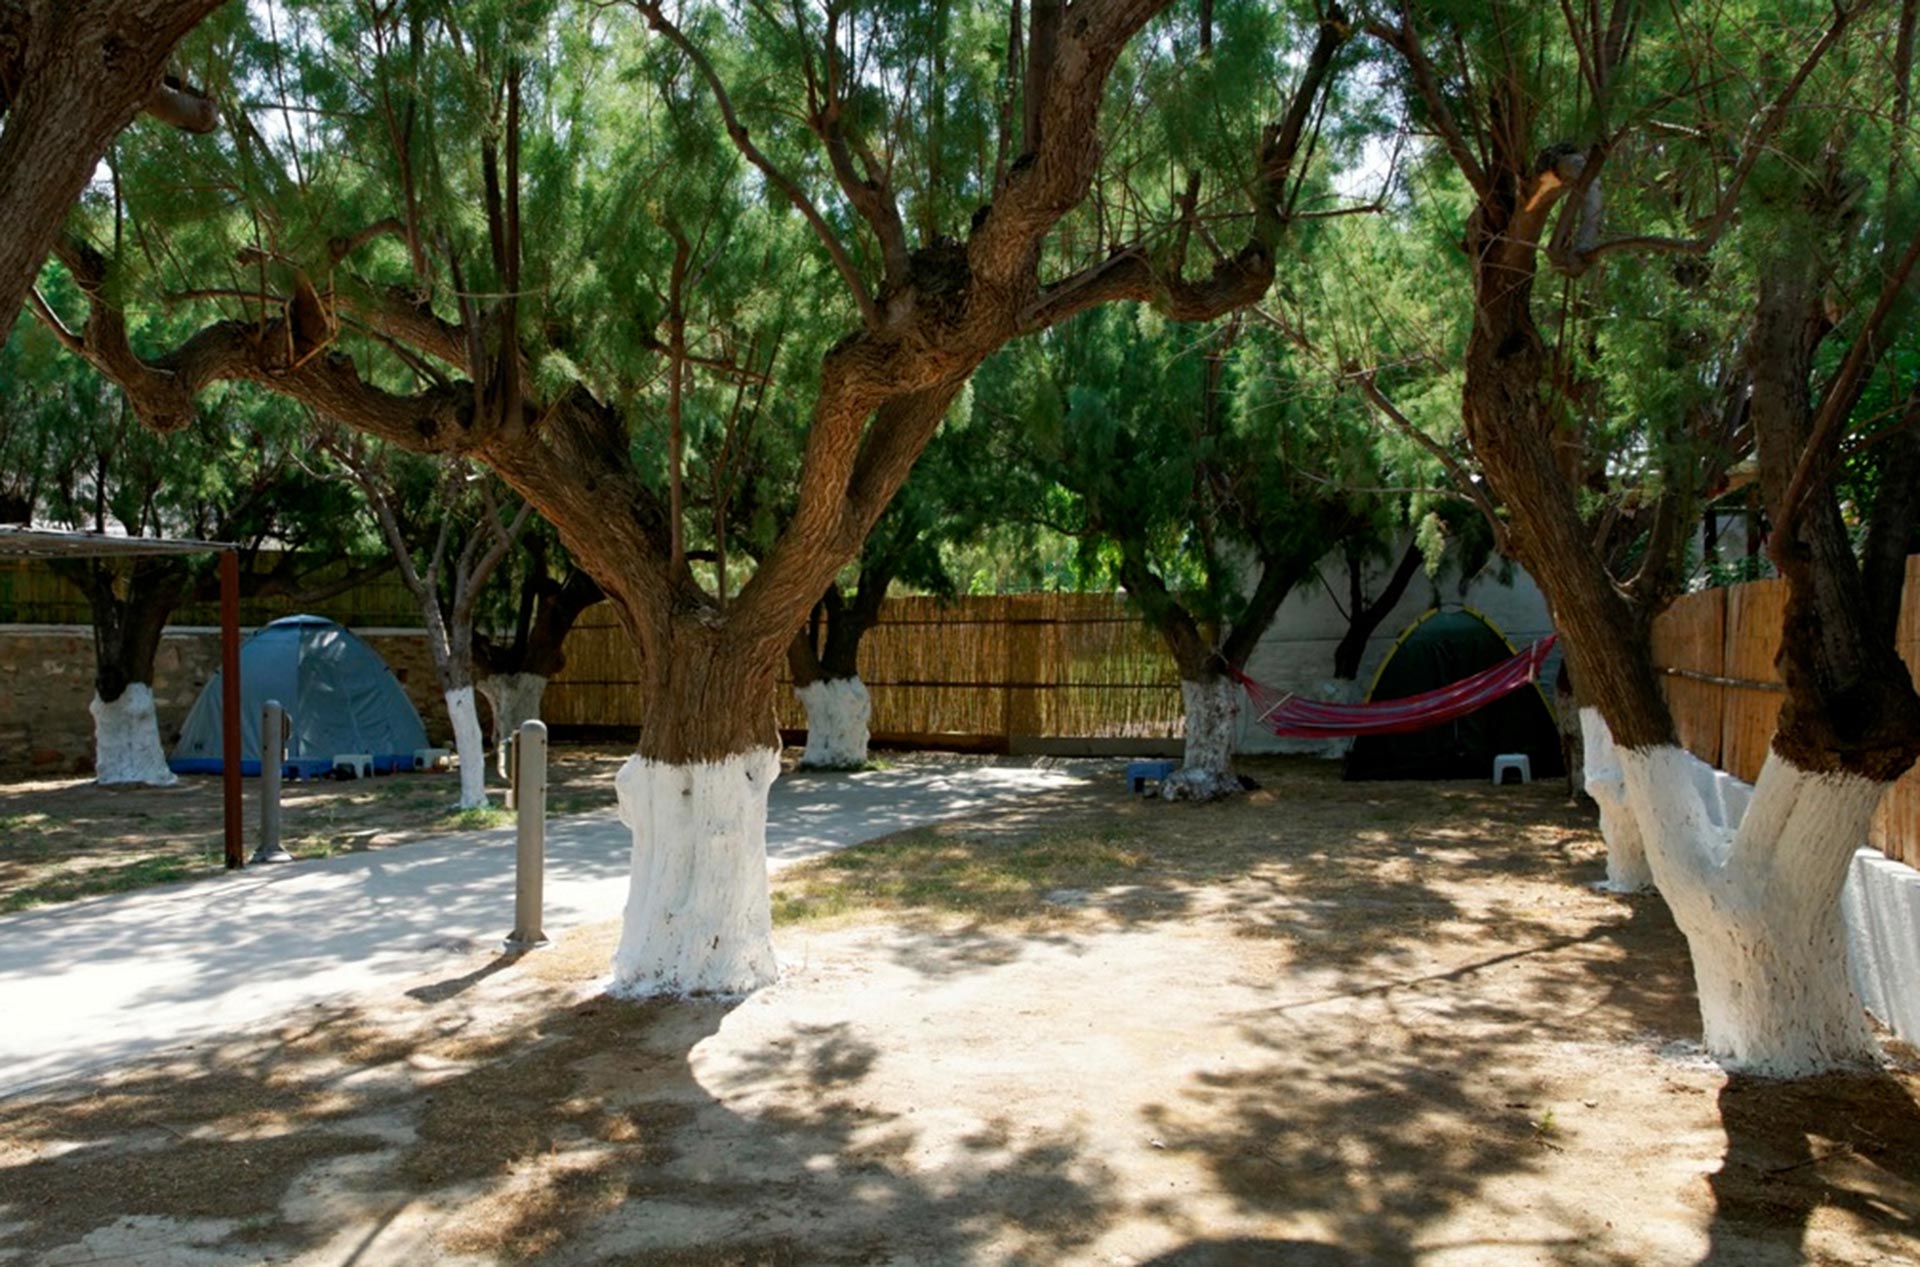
(1760, 906)
(512, 698)
(1627, 868)
(698, 917)
(838, 711)
(126, 740)
(1213, 723)
(470, 745)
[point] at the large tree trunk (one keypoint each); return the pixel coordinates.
(513, 699)
(827, 678)
(1627, 869)
(824, 661)
(130, 605)
(469, 744)
(126, 740)
(838, 712)
(514, 678)
(698, 918)
(1760, 906)
(1213, 727)
(1364, 617)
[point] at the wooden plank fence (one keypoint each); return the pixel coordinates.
(985, 670)
(1715, 650)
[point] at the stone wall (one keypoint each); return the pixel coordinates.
(46, 683)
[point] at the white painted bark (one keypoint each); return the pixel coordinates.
(1627, 869)
(838, 710)
(1213, 724)
(1760, 906)
(512, 698)
(126, 740)
(698, 918)
(470, 746)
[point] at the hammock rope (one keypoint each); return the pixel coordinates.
(1292, 716)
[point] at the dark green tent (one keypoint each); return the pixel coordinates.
(1439, 648)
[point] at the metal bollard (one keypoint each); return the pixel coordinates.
(513, 770)
(273, 751)
(530, 782)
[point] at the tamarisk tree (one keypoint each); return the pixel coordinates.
(1199, 476)
(417, 503)
(530, 230)
(550, 594)
(1536, 116)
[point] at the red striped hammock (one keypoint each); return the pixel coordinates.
(1291, 716)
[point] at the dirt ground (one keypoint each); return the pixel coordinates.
(67, 838)
(1328, 1024)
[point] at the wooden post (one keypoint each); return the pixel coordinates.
(236, 854)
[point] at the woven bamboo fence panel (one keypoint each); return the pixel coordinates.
(1730, 723)
(1043, 665)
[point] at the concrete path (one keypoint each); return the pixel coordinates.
(93, 982)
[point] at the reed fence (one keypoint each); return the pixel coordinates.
(1715, 651)
(988, 669)
(32, 594)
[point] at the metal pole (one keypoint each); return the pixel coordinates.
(236, 847)
(530, 766)
(273, 752)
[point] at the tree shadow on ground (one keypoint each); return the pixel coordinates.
(1846, 1144)
(1259, 1251)
(358, 1144)
(1377, 1122)
(1335, 871)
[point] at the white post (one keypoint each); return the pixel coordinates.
(273, 750)
(530, 785)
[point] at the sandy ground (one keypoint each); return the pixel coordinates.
(67, 838)
(1329, 1024)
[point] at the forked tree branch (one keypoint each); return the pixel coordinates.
(1237, 280)
(743, 141)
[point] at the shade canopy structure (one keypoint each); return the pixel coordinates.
(340, 696)
(1446, 646)
(26, 541)
(20, 541)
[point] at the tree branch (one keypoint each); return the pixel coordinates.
(1458, 473)
(737, 131)
(1235, 281)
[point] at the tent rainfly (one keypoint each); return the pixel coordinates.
(1445, 646)
(339, 693)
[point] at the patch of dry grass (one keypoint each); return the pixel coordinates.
(1304, 832)
(66, 839)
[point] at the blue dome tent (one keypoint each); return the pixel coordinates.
(340, 694)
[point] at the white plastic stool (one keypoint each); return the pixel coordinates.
(353, 765)
(1516, 761)
(428, 758)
